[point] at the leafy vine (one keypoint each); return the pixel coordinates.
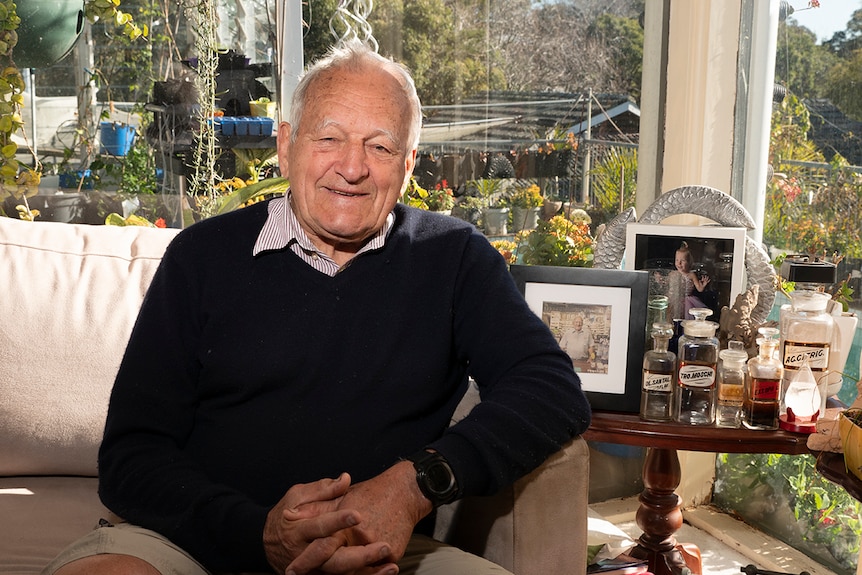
(16, 179)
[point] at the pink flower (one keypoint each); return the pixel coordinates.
(790, 189)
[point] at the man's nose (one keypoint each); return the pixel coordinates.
(353, 165)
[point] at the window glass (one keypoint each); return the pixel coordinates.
(812, 207)
(508, 85)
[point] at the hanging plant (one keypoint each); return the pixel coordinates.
(16, 179)
(13, 180)
(109, 10)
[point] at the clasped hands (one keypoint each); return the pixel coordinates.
(334, 526)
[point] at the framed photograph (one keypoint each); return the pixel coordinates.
(598, 316)
(695, 266)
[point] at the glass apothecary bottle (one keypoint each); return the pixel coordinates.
(763, 384)
(656, 313)
(806, 336)
(697, 363)
(659, 375)
(731, 385)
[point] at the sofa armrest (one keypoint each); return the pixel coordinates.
(535, 527)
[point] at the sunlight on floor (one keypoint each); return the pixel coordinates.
(726, 544)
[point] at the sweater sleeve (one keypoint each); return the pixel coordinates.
(532, 402)
(144, 475)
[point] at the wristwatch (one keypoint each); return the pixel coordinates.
(435, 477)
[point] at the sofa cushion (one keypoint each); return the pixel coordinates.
(41, 516)
(69, 295)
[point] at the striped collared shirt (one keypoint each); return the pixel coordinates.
(282, 229)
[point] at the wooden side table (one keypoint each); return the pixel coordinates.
(659, 515)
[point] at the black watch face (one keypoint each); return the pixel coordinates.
(440, 478)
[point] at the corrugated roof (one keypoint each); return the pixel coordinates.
(502, 120)
(833, 131)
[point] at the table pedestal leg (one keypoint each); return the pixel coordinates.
(659, 517)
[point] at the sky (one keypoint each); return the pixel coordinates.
(832, 16)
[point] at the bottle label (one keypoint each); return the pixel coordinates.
(657, 381)
(695, 375)
(765, 389)
(731, 393)
(817, 355)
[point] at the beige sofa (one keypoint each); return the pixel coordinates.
(69, 295)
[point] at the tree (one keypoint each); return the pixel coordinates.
(625, 37)
(803, 213)
(844, 43)
(556, 46)
(800, 64)
(842, 85)
(317, 39)
(443, 43)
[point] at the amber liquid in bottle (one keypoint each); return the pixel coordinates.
(760, 410)
(763, 385)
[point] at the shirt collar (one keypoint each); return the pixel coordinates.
(282, 228)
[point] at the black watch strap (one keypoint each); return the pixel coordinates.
(435, 477)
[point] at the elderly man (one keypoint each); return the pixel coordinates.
(285, 398)
(578, 340)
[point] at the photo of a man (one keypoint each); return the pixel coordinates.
(578, 341)
(583, 331)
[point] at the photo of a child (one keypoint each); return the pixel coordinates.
(685, 285)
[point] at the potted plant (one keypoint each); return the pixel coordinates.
(557, 242)
(526, 202)
(441, 198)
(469, 209)
(495, 217)
(507, 249)
(850, 428)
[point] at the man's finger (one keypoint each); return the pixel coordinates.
(320, 490)
(332, 555)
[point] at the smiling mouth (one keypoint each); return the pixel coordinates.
(346, 194)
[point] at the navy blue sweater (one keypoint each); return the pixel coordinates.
(245, 375)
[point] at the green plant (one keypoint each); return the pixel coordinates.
(490, 190)
(785, 495)
(507, 250)
(440, 198)
(526, 197)
(250, 161)
(415, 195)
(15, 179)
(109, 10)
(557, 242)
(470, 203)
(614, 183)
(205, 149)
(233, 194)
(805, 212)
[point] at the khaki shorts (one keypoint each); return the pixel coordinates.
(424, 556)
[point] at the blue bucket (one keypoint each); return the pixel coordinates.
(116, 138)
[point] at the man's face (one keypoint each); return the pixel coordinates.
(351, 158)
(578, 323)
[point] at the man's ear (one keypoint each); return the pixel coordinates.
(283, 143)
(410, 163)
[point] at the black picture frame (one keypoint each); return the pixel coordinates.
(613, 304)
